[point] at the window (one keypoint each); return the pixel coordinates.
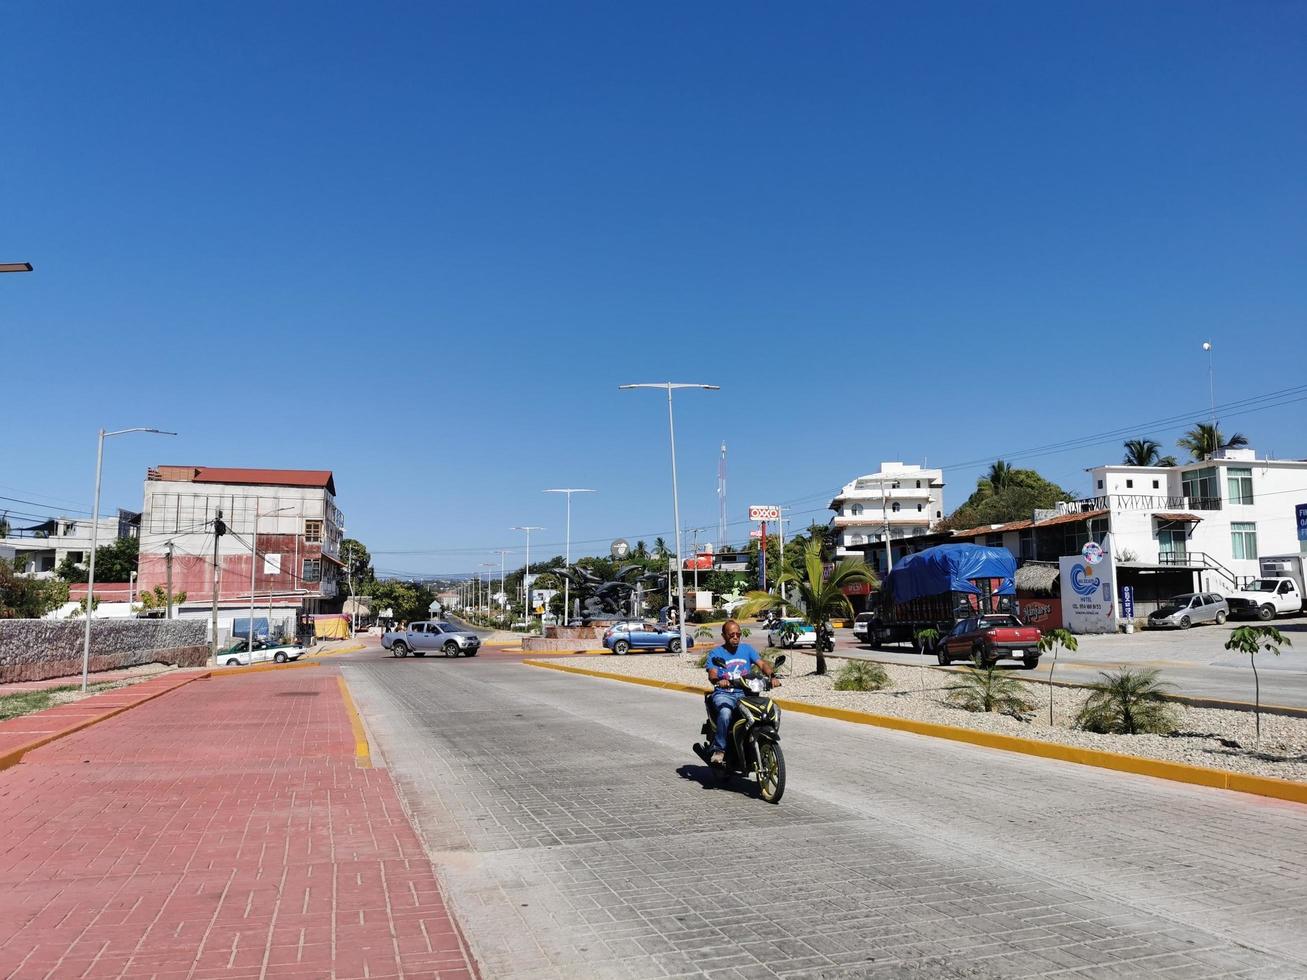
(1171, 541)
(855, 510)
(1155, 485)
(1129, 484)
(312, 569)
(918, 484)
(857, 539)
(1200, 487)
(939, 513)
(918, 508)
(1239, 484)
(896, 507)
(1243, 539)
(1026, 544)
(994, 540)
(1100, 484)
(312, 532)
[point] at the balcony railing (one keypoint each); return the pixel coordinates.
(1145, 501)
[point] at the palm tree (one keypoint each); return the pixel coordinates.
(998, 479)
(640, 550)
(1141, 452)
(1128, 702)
(988, 689)
(1205, 438)
(820, 598)
(660, 548)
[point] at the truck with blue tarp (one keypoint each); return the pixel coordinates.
(940, 587)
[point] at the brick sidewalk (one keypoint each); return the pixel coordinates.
(222, 830)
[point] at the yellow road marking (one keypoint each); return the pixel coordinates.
(362, 754)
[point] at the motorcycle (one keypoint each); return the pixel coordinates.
(753, 746)
(825, 639)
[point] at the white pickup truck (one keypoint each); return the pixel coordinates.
(1266, 598)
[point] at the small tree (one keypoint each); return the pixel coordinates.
(1251, 640)
(926, 640)
(1055, 640)
(988, 689)
(861, 675)
(1128, 702)
(156, 599)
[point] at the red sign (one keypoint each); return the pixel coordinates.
(755, 534)
(856, 588)
(1043, 613)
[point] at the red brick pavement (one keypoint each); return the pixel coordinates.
(222, 830)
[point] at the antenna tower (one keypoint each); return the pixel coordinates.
(722, 543)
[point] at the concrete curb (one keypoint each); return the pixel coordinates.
(13, 756)
(362, 753)
(336, 653)
(219, 672)
(1280, 789)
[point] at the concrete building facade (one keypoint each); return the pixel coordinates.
(903, 500)
(37, 549)
(284, 522)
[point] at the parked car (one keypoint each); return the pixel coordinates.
(862, 626)
(790, 633)
(622, 638)
(237, 654)
(1266, 598)
(1190, 609)
(420, 639)
(987, 639)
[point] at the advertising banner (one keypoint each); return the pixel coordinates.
(1300, 512)
(1089, 593)
(764, 512)
(1044, 613)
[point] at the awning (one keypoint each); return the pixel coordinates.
(333, 559)
(1179, 518)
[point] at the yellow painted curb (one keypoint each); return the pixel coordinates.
(15, 756)
(260, 668)
(1280, 789)
(362, 754)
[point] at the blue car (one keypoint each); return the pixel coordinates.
(622, 638)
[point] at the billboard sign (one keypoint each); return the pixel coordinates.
(755, 534)
(764, 512)
(1088, 596)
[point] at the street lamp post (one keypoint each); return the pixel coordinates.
(1211, 383)
(670, 386)
(567, 552)
(15, 266)
(526, 575)
(95, 528)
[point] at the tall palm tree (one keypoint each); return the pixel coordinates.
(660, 548)
(998, 479)
(820, 598)
(1205, 438)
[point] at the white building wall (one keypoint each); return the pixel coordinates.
(865, 506)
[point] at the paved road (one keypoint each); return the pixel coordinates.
(577, 836)
(1194, 662)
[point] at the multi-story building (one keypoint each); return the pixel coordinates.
(37, 550)
(1215, 516)
(283, 522)
(901, 500)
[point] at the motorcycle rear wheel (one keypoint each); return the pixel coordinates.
(771, 777)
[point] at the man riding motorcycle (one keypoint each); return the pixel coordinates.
(739, 658)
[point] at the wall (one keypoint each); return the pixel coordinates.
(36, 649)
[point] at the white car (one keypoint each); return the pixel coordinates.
(238, 656)
(792, 633)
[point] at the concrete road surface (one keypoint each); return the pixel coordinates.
(578, 836)
(1194, 661)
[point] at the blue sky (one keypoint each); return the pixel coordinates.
(422, 244)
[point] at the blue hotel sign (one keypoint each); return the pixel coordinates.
(1301, 511)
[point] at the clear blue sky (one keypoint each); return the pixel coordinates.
(422, 244)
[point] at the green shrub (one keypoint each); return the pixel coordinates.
(861, 675)
(988, 689)
(708, 616)
(1128, 702)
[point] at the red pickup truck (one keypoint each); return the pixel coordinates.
(986, 639)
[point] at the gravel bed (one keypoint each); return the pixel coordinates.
(918, 693)
(143, 672)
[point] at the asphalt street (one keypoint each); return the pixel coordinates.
(576, 835)
(1194, 661)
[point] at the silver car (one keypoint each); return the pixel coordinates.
(1187, 610)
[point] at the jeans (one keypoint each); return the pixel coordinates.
(723, 702)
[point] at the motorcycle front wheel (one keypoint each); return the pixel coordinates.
(771, 775)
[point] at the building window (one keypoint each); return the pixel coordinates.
(857, 539)
(1026, 544)
(1201, 488)
(1100, 484)
(312, 569)
(1129, 484)
(896, 508)
(939, 513)
(918, 484)
(313, 533)
(1171, 541)
(918, 508)
(1239, 484)
(1156, 486)
(855, 510)
(1243, 539)
(993, 540)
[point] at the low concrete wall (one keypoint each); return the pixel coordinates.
(576, 632)
(37, 649)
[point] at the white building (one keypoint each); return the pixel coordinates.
(903, 500)
(1215, 516)
(37, 549)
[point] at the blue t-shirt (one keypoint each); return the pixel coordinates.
(737, 663)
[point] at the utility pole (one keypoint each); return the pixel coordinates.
(219, 529)
(168, 561)
(884, 513)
